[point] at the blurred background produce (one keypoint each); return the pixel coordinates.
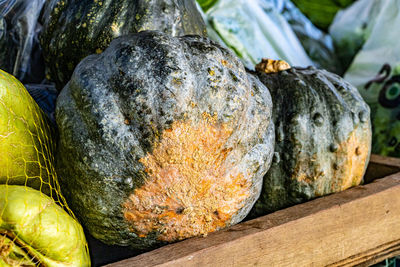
(73, 30)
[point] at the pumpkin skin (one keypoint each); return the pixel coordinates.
(162, 138)
(323, 137)
(75, 29)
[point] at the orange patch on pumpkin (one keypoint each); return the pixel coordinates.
(354, 152)
(350, 159)
(191, 189)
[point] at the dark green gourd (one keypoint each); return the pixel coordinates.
(75, 29)
(162, 138)
(323, 135)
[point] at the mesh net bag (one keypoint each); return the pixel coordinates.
(36, 226)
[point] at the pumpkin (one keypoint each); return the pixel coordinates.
(162, 138)
(26, 145)
(35, 231)
(75, 29)
(323, 135)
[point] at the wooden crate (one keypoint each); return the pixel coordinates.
(360, 226)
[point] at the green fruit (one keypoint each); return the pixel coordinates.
(26, 146)
(323, 136)
(75, 29)
(162, 138)
(35, 231)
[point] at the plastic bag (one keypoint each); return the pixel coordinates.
(370, 27)
(352, 27)
(19, 46)
(255, 29)
(321, 12)
(20, 52)
(317, 44)
(45, 95)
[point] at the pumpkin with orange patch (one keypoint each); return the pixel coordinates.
(323, 135)
(162, 138)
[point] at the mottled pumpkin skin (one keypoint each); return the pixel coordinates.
(75, 29)
(162, 138)
(323, 137)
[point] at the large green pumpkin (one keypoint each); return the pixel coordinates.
(161, 139)
(323, 135)
(75, 29)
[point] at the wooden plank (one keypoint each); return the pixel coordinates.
(373, 256)
(357, 226)
(380, 166)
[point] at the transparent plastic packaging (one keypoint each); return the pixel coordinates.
(367, 38)
(20, 52)
(268, 28)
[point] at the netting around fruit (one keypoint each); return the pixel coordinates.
(36, 225)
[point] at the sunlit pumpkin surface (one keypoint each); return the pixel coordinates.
(191, 189)
(351, 155)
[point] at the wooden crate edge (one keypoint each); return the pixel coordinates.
(221, 247)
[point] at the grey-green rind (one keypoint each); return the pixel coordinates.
(116, 103)
(315, 113)
(75, 29)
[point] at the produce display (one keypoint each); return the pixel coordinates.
(35, 231)
(155, 133)
(161, 139)
(75, 29)
(323, 135)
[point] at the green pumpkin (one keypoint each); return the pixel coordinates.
(75, 29)
(162, 138)
(323, 135)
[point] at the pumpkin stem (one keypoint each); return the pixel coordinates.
(272, 66)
